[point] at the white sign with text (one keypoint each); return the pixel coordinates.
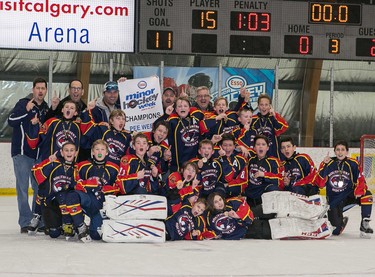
(85, 25)
(141, 101)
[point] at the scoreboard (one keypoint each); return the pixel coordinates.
(274, 28)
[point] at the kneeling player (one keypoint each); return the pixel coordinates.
(345, 185)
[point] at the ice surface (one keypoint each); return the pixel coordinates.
(23, 255)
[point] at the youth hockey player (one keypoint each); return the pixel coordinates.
(221, 121)
(269, 123)
(228, 219)
(182, 188)
(56, 131)
(117, 138)
(299, 169)
(96, 178)
(210, 169)
(187, 222)
(345, 184)
(236, 177)
(244, 133)
(59, 202)
(265, 173)
(137, 174)
(185, 134)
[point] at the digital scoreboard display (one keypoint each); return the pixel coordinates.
(275, 28)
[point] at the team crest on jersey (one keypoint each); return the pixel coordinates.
(190, 135)
(337, 182)
(60, 183)
(252, 179)
(63, 136)
(114, 148)
(209, 179)
(224, 224)
(184, 224)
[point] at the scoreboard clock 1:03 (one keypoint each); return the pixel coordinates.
(289, 29)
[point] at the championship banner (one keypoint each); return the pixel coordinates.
(187, 79)
(141, 101)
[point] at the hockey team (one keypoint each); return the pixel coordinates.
(225, 174)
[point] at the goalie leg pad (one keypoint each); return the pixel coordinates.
(128, 230)
(139, 206)
(296, 228)
(289, 204)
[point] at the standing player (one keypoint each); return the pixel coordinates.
(270, 124)
(185, 134)
(345, 185)
(299, 169)
(56, 131)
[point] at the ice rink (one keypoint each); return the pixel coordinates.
(23, 255)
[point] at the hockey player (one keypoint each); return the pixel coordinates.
(59, 202)
(244, 133)
(235, 178)
(221, 121)
(210, 169)
(96, 178)
(265, 173)
(345, 184)
(185, 134)
(187, 222)
(182, 188)
(269, 123)
(117, 138)
(137, 174)
(56, 131)
(299, 169)
(158, 153)
(228, 219)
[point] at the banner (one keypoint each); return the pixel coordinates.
(72, 25)
(256, 81)
(141, 101)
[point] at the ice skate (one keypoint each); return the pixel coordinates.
(365, 230)
(83, 233)
(68, 231)
(344, 222)
(32, 229)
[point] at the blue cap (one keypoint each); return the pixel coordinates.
(110, 85)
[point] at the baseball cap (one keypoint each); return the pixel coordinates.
(110, 85)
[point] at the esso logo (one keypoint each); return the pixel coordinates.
(142, 84)
(236, 82)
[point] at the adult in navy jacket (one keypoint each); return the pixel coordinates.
(28, 110)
